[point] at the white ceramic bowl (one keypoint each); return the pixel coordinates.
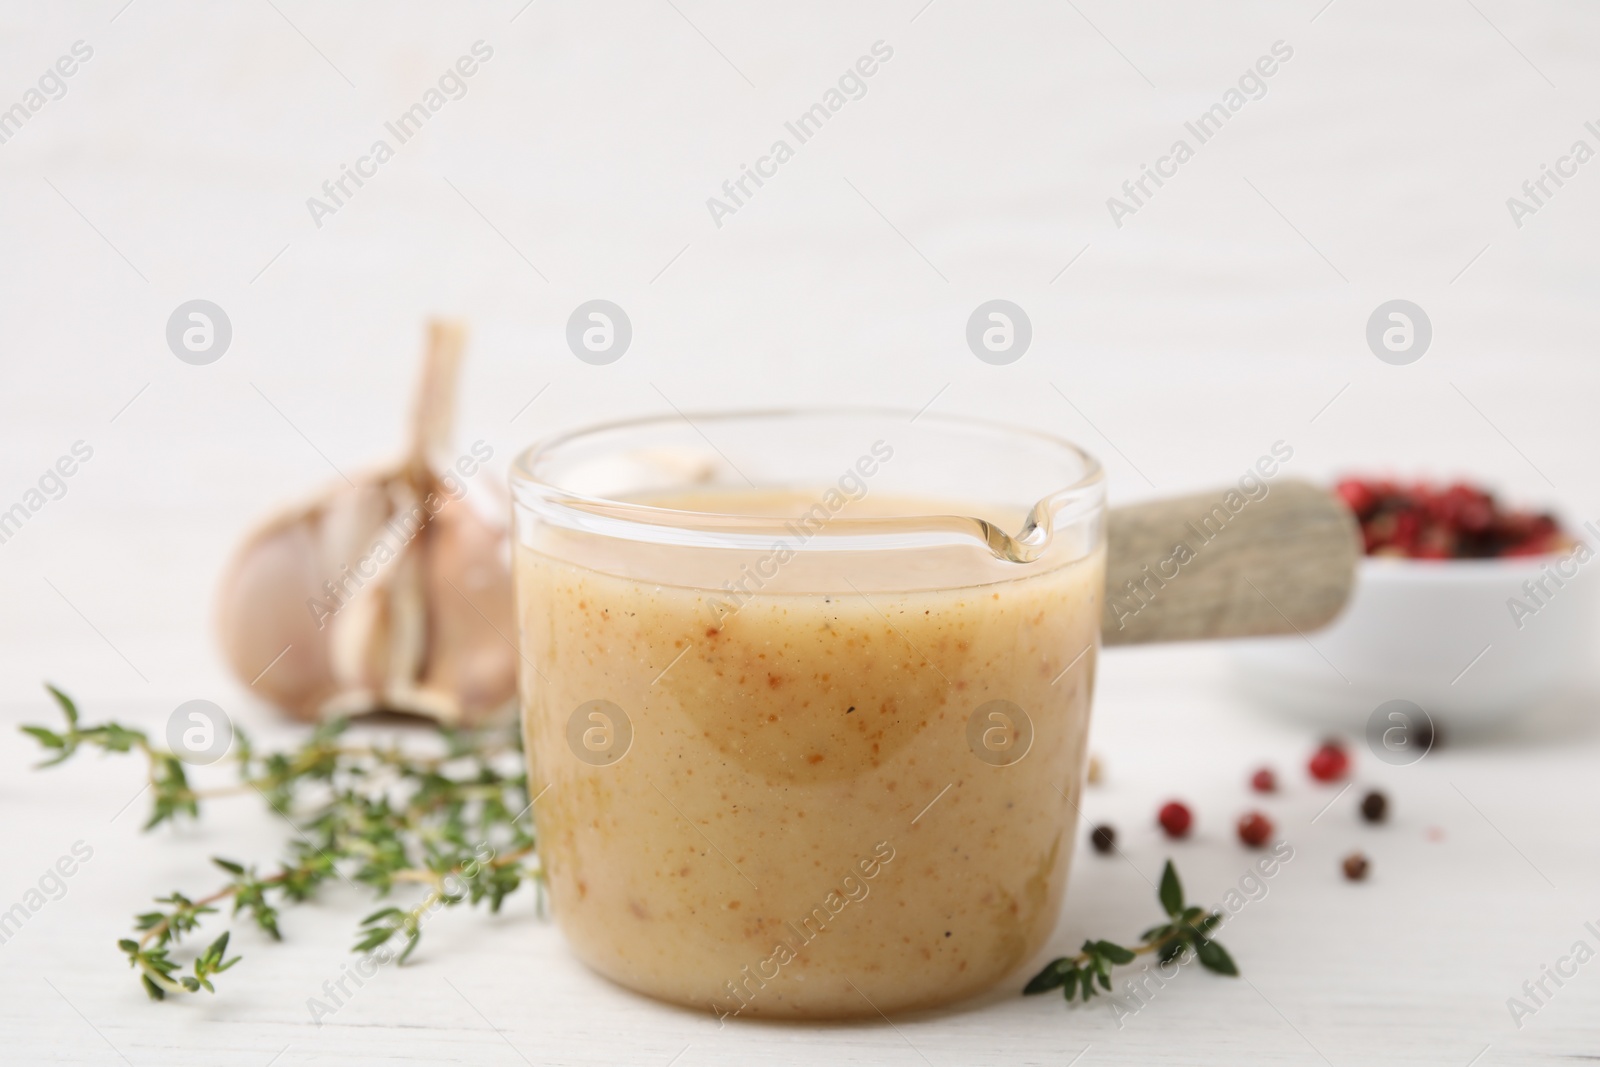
(1447, 635)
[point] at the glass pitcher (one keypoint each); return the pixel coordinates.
(805, 696)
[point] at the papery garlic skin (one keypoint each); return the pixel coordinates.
(391, 594)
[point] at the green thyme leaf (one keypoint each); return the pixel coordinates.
(1115, 953)
(67, 706)
(1171, 893)
(1071, 983)
(47, 738)
(1213, 957)
(1053, 976)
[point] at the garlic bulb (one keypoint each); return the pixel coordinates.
(389, 595)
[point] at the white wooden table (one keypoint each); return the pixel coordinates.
(1485, 871)
(1226, 313)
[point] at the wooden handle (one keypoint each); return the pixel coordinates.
(1221, 564)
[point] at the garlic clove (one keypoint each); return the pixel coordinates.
(268, 637)
(471, 617)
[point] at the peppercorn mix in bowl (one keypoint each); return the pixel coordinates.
(1474, 611)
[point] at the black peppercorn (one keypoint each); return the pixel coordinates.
(1104, 839)
(1375, 807)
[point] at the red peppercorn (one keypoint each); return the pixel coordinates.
(1255, 829)
(1358, 497)
(1458, 521)
(1473, 514)
(1407, 528)
(1329, 763)
(1264, 781)
(1175, 819)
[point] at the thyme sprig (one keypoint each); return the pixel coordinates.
(1187, 929)
(455, 820)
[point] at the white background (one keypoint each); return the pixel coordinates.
(1225, 315)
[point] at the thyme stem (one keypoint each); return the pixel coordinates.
(456, 822)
